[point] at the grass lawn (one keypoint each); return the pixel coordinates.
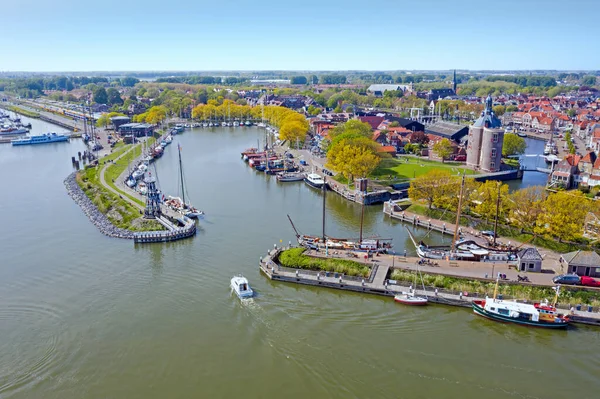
(408, 167)
(294, 258)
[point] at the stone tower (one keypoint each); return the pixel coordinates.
(484, 150)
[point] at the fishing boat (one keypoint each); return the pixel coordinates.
(41, 139)
(521, 134)
(12, 131)
(314, 180)
(241, 287)
(290, 177)
(541, 315)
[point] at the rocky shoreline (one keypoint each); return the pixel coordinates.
(92, 212)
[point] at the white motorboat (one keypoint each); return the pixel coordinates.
(205, 124)
(224, 124)
(241, 287)
(314, 180)
(131, 182)
(236, 124)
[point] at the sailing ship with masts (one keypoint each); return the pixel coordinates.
(464, 248)
(370, 245)
(180, 204)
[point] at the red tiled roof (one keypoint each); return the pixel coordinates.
(597, 164)
(386, 148)
(374, 121)
(573, 159)
(590, 157)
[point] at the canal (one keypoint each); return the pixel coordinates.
(86, 316)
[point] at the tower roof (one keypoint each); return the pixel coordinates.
(488, 118)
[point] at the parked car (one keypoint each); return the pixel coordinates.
(571, 279)
(460, 158)
(589, 282)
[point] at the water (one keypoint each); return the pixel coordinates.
(86, 316)
(534, 147)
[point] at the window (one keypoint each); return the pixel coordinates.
(493, 153)
(531, 266)
(495, 138)
(492, 165)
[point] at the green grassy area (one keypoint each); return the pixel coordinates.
(295, 258)
(120, 212)
(115, 170)
(514, 162)
(487, 288)
(22, 111)
(405, 168)
(503, 231)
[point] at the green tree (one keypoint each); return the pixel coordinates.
(113, 97)
(443, 149)
(353, 157)
(513, 145)
(526, 205)
(99, 95)
(298, 80)
(352, 126)
(486, 199)
(588, 80)
(563, 214)
(499, 110)
(429, 187)
(293, 131)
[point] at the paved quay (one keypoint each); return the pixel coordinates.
(378, 284)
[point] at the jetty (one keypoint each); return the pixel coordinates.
(378, 283)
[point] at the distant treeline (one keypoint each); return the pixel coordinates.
(33, 87)
(534, 81)
(209, 80)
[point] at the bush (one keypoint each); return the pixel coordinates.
(295, 258)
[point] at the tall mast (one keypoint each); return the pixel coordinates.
(497, 212)
(362, 217)
(181, 174)
(460, 198)
(324, 194)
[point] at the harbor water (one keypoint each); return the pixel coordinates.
(87, 316)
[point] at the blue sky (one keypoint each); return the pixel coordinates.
(68, 35)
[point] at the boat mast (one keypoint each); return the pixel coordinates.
(557, 289)
(496, 289)
(181, 175)
(497, 212)
(460, 197)
(362, 217)
(324, 196)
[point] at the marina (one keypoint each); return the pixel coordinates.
(69, 308)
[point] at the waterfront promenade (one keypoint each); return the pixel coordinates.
(378, 282)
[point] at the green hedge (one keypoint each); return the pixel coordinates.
(295, 258)
(528, 292)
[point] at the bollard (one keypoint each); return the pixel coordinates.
(363, 282)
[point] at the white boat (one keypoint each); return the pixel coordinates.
(314, 180)
(224, 124)
(240, 285)
(131, 182)
(205, 124)
(261, 124)
(236, 124)
(138, 174)
(410, 298)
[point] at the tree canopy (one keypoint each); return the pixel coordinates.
(443, 149)
(99, 95)
(353, 156)
(513, 145)
(352, 126)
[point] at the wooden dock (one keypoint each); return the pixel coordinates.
(377, 283)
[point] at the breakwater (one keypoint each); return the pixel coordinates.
(92, 212)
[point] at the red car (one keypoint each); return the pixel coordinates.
(589, 282)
